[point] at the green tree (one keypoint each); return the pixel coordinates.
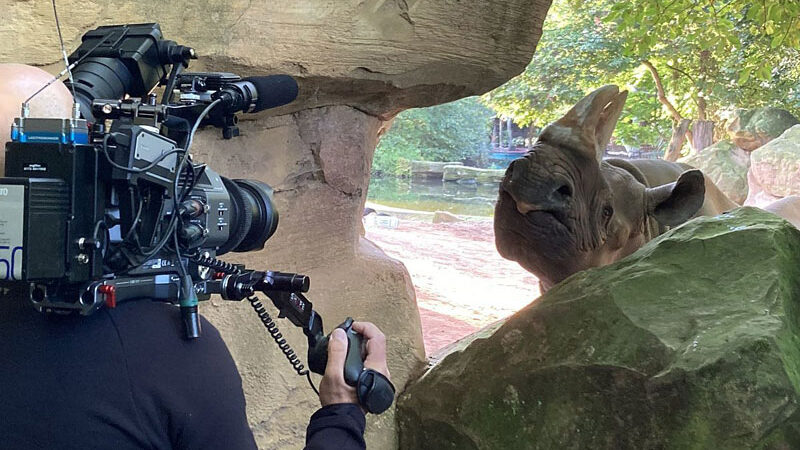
(707, 56)
(578, 53)
(450, 132)
(686, 63)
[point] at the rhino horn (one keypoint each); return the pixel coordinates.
(588, 126)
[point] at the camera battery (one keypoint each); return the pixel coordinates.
(33, 226)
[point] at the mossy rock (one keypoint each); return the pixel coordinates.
(693, 342)
(752, 128)
(726, 165)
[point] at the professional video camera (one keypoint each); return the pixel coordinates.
(107, 206)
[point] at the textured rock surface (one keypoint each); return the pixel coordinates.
(691, 342)
(756, 195)
(752, 128)
(317, 161)
(380, 56)
(726, 165)
(776, 165)
(358, 62)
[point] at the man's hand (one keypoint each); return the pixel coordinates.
(333, 389)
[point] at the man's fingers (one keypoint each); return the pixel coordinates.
(368, 330)
(376, 346)
(337, 352)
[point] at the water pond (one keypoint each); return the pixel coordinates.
(462, 199)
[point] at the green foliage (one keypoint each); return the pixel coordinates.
(576, 54)
(711, 56)
(449, 132)
(718, 54)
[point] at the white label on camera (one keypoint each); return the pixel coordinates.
(12, 208)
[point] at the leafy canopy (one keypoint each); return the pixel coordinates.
(578, 53)
(714, 55)
(710, 56)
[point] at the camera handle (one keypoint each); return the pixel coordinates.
(374, 390)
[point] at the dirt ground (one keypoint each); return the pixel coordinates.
(461, 283)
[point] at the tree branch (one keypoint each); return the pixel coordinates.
(681, 72)
(662, 97)
(725, 6)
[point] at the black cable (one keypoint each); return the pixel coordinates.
(107, 237)
(181, 267)
(135, 220)
(284, 346)
(135, 170)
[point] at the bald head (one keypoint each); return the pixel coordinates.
(17, 83)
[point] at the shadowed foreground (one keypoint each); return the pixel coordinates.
(691, 342)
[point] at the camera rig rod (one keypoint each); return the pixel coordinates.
(284, 289)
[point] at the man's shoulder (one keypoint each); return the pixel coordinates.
(153, 321)
(151, 335)
(124, 370)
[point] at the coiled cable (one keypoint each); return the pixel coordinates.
(284, 346)
(216, 265)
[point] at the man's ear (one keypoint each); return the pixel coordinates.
(674, 203)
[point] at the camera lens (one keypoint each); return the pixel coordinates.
(254, 217)
(264, 215)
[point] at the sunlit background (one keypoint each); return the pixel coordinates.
(688, 67)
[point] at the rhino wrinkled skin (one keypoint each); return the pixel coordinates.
(562, 209)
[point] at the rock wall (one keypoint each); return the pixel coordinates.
(775, 167)
(726, 165)
(358, 62)
(380, 56)
(320, 194)
(691, 342)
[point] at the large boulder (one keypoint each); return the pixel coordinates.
(752, 128)
(775, 167)
(691, 342)
(726, 165)
(358, 63)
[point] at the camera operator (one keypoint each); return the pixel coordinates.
(125, 377)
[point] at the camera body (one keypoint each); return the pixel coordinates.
(109, 201)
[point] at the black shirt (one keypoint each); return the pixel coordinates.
(125, 378)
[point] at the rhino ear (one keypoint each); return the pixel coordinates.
(674, 203)
(588, 126)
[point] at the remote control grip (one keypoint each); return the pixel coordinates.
(354, 360)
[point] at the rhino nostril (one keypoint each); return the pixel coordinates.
(565, 191)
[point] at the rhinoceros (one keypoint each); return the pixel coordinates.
(562, 208)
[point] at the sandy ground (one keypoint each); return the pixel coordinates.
(462, 284)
